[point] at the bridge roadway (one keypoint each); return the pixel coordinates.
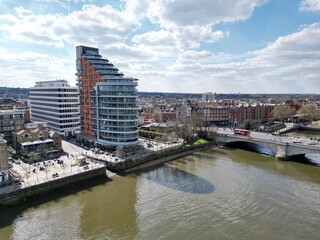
(282, 147)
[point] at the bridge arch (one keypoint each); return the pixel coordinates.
(279, 149)
(251, 146)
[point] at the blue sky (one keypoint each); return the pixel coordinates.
(248, 46)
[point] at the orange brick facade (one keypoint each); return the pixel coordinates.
(89, 77)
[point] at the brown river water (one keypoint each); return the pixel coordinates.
(214, 194)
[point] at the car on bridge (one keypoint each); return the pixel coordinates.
(296, 141)
(312, 143)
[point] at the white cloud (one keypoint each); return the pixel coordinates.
(169, 57)
(204, 12)
(310, 5)
(25, 68)
(290, 64)
(90, 25)
(180, 38)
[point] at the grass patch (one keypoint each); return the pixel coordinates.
(198, 142)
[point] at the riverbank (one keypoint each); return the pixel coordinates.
(32, 192)
(162, 160)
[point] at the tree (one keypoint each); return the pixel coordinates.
(32, 155)
(247, 125)
(309, 112)
(183, 130)
(172, 137)
(120, 151)
(157, 139)
(197, 122)
(282, 112)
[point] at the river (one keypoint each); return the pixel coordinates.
(214, 194)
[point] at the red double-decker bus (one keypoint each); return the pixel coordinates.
(242, 132)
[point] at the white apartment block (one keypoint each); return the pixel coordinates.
(207, 96)
(56, 103)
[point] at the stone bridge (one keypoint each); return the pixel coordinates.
(280, 150)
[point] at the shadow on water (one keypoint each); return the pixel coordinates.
(251, 147)
(309, 159)
(177, 179)
(13, 213)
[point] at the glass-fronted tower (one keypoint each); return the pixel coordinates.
(108, 101)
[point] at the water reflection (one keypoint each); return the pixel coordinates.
(179, 180)
(293, 169)
(109, 211)
(59, 210)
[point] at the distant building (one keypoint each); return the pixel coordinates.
(208, 96)
(108, 101)
(234, 114)
(168, 114)
(165, 127)
(4, 172)
(213, 114)
(183, 113)
(57, 103)
(11, 121)
(255, 113)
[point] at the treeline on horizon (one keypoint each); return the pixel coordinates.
(25, 92)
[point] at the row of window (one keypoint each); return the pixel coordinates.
(120, 93)
(117, 124)
(56, 100)
(11, 116)
(74, 110)
(117, 88)
(11, 128)
(115, 129)
(117, 111)
(53, 90)
(54, 105)
(103, 100)
(124, 105)
(54, 95)
(115, 140)
(39, 113)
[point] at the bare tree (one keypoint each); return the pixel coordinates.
(172, 137)
(183, 130)
(120, 151)
(309, 112)
(282, 112)
(197, 122)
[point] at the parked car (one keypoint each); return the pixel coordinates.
(312, 143)
(296, 141)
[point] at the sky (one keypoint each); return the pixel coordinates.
(186, 46)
